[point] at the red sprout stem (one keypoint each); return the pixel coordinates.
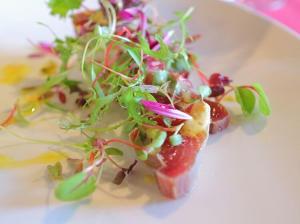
(171, 129)
(9, 117)
(200, 73)
(107, 53)
(250, 87)
(92, 157)
(111, 45)
(125, 142)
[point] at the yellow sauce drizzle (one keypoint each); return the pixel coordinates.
(149, 179)
(14, 73)
(229, 99)
(45, 158)
(30, 101)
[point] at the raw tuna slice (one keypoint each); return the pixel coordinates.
(174, 175)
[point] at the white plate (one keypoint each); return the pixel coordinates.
(248, 174)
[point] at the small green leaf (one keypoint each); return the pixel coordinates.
(113, 152)
(181, 63)
(163, 53)
(54, 80)
(142, 155)
(175, 139)
(76, 187)
(98, 89)
(73, 85)
(135, 54)
(130, 100)
(129, 127)
(263, 103)
(62, 7)
(160, 77)
(246, 99)
(65, 49)
(55, 171)
(159, 139)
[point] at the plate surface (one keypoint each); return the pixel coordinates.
(248, 174)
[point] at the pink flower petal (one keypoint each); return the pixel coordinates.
(125, 15)
(165, 110)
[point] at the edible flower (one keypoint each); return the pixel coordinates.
(165, 110)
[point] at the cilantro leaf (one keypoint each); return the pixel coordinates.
(130, 99)
(163, 53)
(76, 187)
(263, 102)
(65, 49)
(246, 99)
(135, 54)
(97, 87)
(62, 7)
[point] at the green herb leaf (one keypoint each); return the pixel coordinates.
(163, 53)
(55, 171)
(160, 77)
(113, 152)
(135, 54)
(142, 155)
(76, 187)
(181, 63)
(246, 99)
(263, 103)
(99, 105)
(98, 89)
(53, 80)
(62, 7)
(130, 99)
(65, 49)
(129, 127)
(73, 85)
(159, 139)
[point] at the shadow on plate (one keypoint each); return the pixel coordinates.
(251, 125)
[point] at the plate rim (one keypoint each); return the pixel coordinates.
(251, 11)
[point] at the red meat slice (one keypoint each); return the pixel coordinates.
(174, 178)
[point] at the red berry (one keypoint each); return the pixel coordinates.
(216, 79)
(216, 91)
(219, 117)
(62, 97)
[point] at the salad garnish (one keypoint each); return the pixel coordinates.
(128, 60)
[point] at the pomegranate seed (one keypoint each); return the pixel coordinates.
(216, 79)
(219, 117)
(216, 91)
(62, 97)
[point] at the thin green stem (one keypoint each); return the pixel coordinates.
(37, 141)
